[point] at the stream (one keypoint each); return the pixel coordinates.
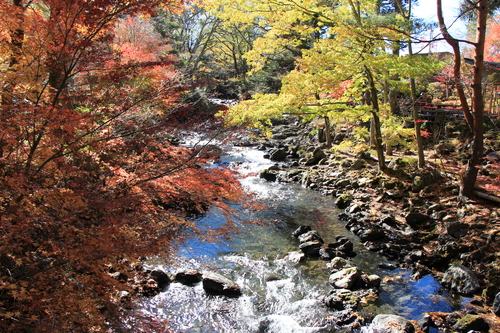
(292, 301)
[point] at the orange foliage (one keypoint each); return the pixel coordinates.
(88, 175)
(492, 45)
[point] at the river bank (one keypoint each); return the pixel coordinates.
(411, 217)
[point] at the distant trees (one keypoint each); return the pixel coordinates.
(89, 174)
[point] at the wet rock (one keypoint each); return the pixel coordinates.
(327, 254)
(471, 322)
(161, 278)
(295, 257)
(343, 244)
(369, 281)
(461, 279)
(268, 175)
(387, 266)
(277, 154)
(341, 299)
(338, 263)
(311, 248)
(189, 276)
(345, 278)
(301, 230)
(496, 305)
(425, 323)
(310, 236)
(384, 323)
(220, 285)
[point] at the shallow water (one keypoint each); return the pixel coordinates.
(291, 303)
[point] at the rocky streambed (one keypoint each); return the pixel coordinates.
(411, 217)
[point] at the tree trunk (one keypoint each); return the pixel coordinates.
(470, 175)
(328, 132)
(475, 119)
(416, 119)
(375, 110)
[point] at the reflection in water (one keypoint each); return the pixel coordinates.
(291, 302)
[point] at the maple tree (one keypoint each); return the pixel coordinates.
(474, 115)
(90, 173)
(492, 42)
(347, 40)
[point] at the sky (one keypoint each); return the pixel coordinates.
(427, 10)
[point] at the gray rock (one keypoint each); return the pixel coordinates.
(220, 285)
(345, 278)
(277, 155)
(385, 323)
(311, 248)
(496, 305)
(301, 230)
(295, 257)
(309, 236)
(339, 263)
(461, 279)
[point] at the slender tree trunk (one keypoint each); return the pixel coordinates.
(328, 132)
(416, 120)
(471, 171)
(376, 121)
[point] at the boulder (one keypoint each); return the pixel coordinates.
(339, 263)
(217, 284)
(162, 278)
(311, 248)
(461, 279)
(345, 278)
(385, 323)
(301, 230)
(268, 175)
(295, 257)
(277, 154)
(309, 236)
(189, 276)
(471, 322)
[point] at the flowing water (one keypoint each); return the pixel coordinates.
(290, 303)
